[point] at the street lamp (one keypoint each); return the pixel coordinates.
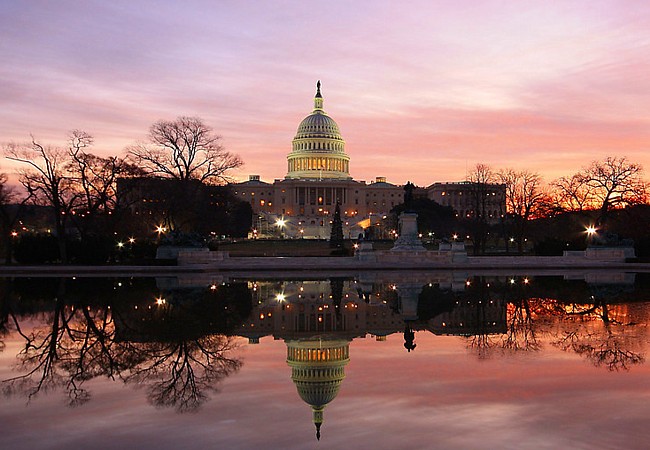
(591, 231)
(281, 223)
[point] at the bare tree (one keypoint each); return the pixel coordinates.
(185, 149)
(97, 181)
(615, 182)
(524, 197)
(480, 178)
(10, 209)
(48, 181)
(572, 193)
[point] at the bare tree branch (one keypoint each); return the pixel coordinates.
(185, 149)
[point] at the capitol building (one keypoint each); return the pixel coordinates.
(318, 178)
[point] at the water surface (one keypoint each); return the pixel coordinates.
(373, 361)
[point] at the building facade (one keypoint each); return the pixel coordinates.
(469, 199)
(318, 178)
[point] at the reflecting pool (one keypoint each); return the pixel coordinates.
(374, 360)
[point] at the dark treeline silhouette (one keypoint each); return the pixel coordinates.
(175, 181)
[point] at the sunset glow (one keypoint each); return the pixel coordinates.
(421, 91)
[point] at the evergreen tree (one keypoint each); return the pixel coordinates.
(336, 235)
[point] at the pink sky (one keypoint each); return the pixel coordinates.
(420, 91)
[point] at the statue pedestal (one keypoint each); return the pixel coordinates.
(408, 240)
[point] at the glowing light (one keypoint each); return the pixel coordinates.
(120, 244)
(590, 230)
(526, 281)
(160, 301)
(14, 234)
(280, 223)
(160, 229)
(280, 297)
(455, 236)
(512, 281)
(131, 240)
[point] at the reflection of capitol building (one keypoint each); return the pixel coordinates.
(318, 320)
(317, 369)
(297, 310)
(318, 177)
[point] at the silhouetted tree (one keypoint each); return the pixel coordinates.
(185, 149)
(614, 182)
(10, 210)
(572, 193)
(336, 234)
(524, 198)
(49, 182)
(480, 179)
(99, 205)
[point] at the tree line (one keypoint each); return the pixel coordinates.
(594, 196)
(85, 196)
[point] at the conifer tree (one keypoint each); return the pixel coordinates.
(336, 235)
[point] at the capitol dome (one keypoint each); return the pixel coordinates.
(318, 148)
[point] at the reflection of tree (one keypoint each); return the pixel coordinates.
(603, 350)
(73, 347)
(476, 300)
(176, 350)
(601, 336)
(521, 334)
(179, 342)
(4, 313)
(178, 374)
(336, 290)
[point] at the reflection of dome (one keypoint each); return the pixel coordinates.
(318, 148)
(317, 369)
